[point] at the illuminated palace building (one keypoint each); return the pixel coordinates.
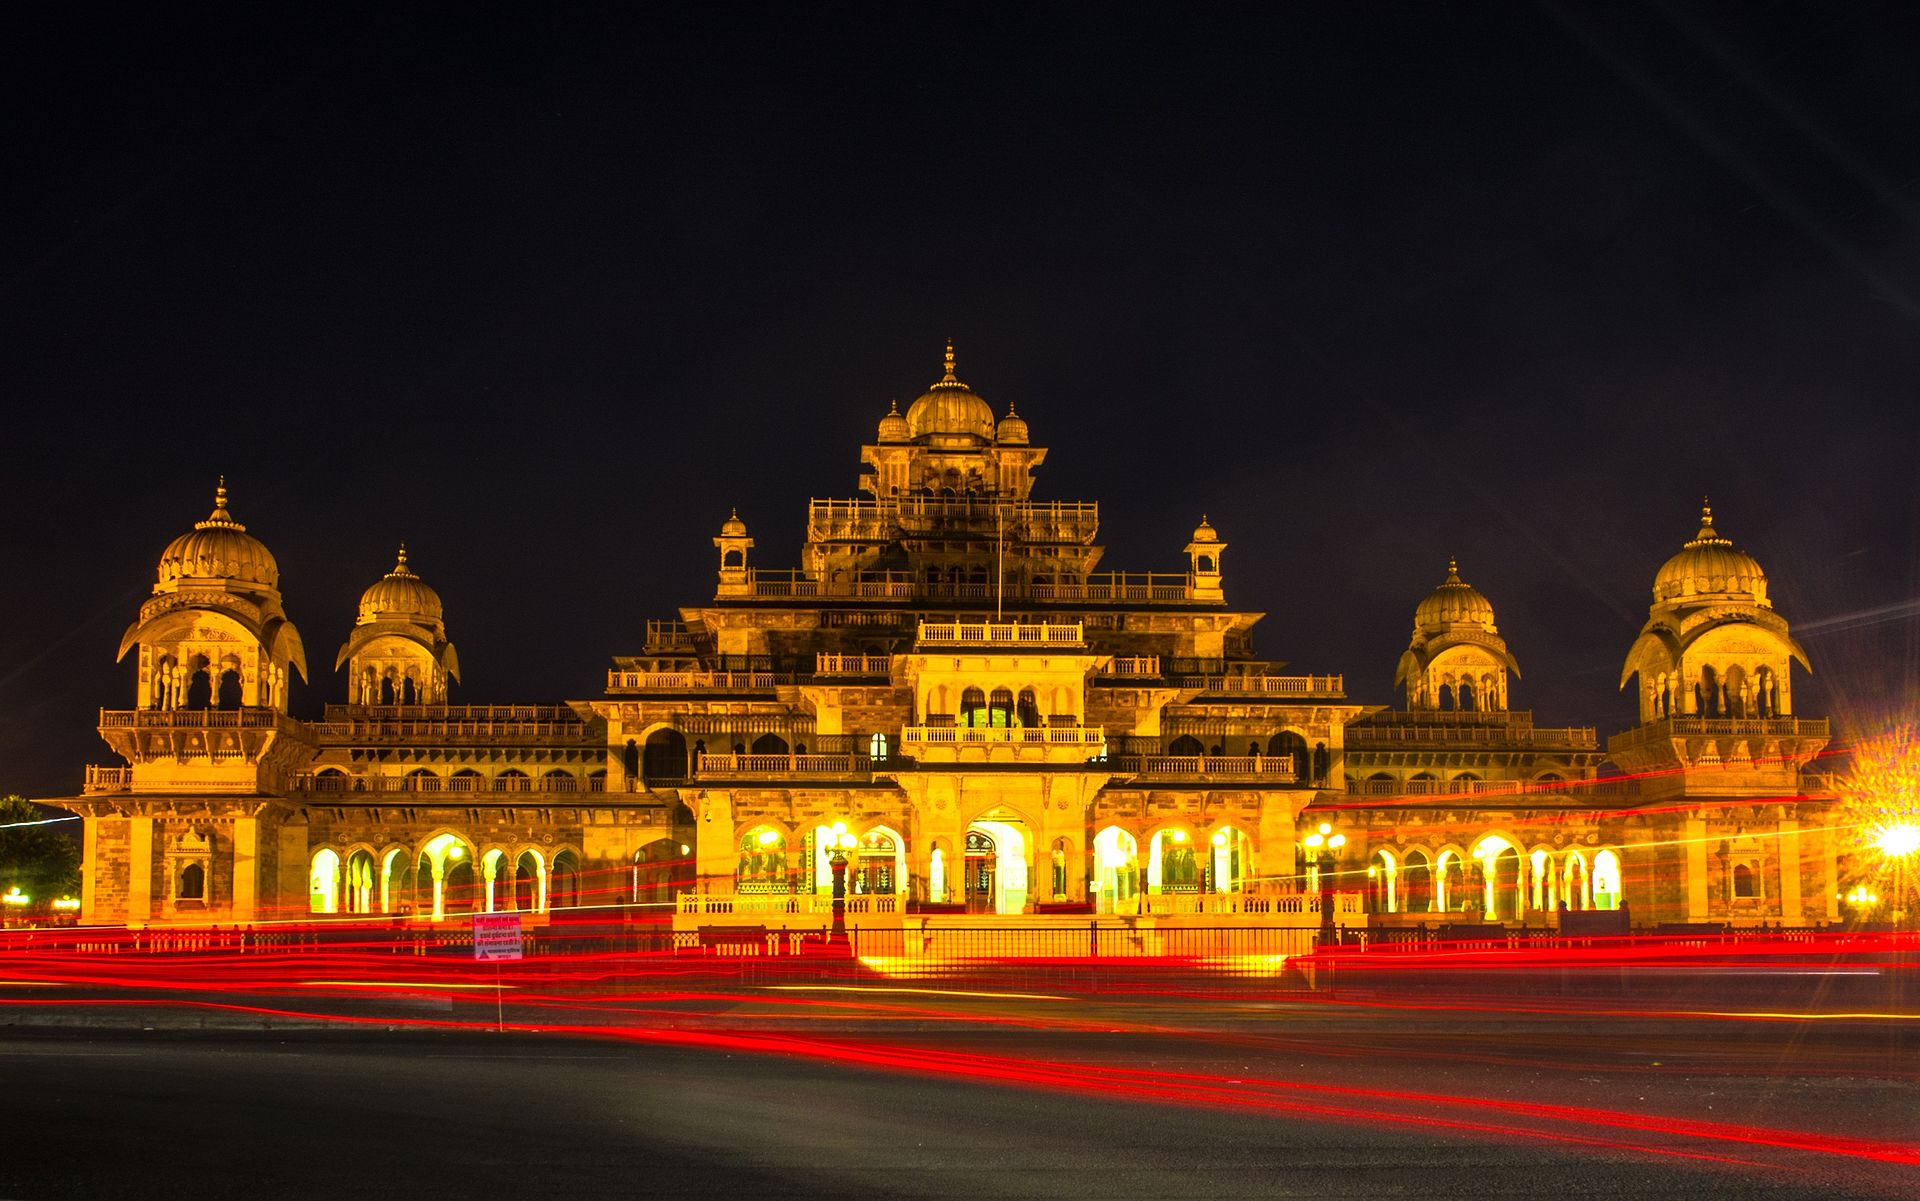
(951, 694)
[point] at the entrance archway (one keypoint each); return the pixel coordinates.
(1116, 871)
(996, 867)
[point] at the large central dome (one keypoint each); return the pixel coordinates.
(950, 407)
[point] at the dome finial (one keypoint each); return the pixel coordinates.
(949, 377)
(1708, 536)
(1453, 570)
(893, 406)
(220, 518)
(400, 564)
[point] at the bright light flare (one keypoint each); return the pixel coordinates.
(1880, 800)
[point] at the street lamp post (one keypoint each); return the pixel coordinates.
(1323, 844)
(842, 842)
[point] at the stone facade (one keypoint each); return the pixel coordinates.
(952, 696)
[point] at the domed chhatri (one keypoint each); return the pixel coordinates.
(1204, 532)
(733, 527)
(893, 427)
(400, 593)
(398, 653)
(1012, 430)
(1454, 602)
(1711, 568)
(950, 408)
(218, 548)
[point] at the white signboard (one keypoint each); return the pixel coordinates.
(497, 936)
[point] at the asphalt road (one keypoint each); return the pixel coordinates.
(1251, 1112)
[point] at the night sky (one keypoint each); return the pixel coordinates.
(1369, 285)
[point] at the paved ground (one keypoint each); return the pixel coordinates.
(421, 1115)
(1778, 1080)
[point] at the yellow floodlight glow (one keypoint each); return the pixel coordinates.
(1179, 835)
(1220, 838)
(1325, 829)
(67, 904)
(1337, 841)
(839, 830)
(769, 837)
(15, 897)
(1314, 840)
(1899, 841)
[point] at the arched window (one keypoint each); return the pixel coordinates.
(1466, 696)
(323, 882)
(973, 707)
(466, 780)
(1000, 708)
(1745, 887)
(193, 883)
(1417, 876)
(665, 758)
(630, 761)
(422, 780)
(1027, 709)
(770, 744)
(877, 748)
(1186, 744)
(1606, 880)
(1292, 748)
(763, 862)
(199, 685)
(1709, 691)
(1446, 696)
(511, 780)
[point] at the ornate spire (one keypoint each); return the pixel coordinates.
(400, 567)
(1453, 571)
(948, 379)
(219, 519)
(949, 364)
(893, 406)
(1708, 536)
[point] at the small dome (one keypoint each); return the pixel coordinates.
(218, 548)
(893, 427)
(733, 527)
(1205, 532)
(400, 594)
(950, 407)
(1455, 601)
(1012, 429)
(1710, 566)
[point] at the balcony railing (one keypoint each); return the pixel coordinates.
(696, 681)
(693, 904)
(109, 779)
(827, 663)
(1000, 735)
(1691, 725)
(1313, 686)
(885, 519)
(1132, 665)
(1278, 769)
(726, 764)
(1346, 903)
(999, 633)
(454, 730)
(1116, 587)
(251, 718)
(562, 783)
(1574, 789)
(1447, 734)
